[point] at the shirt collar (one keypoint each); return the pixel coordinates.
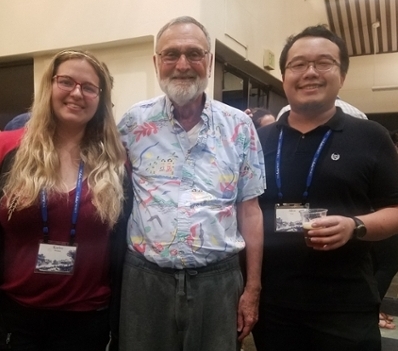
(336, 123)
(205, 115)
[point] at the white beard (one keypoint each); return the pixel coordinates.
(180, 93)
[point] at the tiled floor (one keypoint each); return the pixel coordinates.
(390, 305)
(390, 336)
(390, 333)
(393, 290)
(248, 344)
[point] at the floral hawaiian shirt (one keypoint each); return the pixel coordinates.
(185, 196)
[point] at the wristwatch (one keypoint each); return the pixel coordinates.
(359, 230)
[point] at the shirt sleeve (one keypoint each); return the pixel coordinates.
(125, 127)
(252, 172)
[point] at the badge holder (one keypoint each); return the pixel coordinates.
(55, 258)
(58, 257)
(287, 215)
(288, 218)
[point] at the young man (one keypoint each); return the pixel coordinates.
(323, 296)
(197, 173)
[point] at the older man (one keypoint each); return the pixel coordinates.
(197, 173)
(320, 293)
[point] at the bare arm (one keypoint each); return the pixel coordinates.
(250, 222)
(381, 224)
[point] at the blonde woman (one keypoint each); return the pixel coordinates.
(65, 190)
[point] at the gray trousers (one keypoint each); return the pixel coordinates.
(179, 310)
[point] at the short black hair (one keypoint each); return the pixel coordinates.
(258, 113)
(321, 31)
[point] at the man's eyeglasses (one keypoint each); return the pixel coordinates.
(69, 84)
(321, 65)
(171, 56)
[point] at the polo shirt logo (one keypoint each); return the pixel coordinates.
(335, 157)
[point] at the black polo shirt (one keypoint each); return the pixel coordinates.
(357, 171)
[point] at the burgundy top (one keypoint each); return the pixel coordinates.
(88, 288)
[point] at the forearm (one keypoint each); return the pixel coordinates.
(250, 221)
(381, 224)
(254, 255)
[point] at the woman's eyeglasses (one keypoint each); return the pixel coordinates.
(67, 83)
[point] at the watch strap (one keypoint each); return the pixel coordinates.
(359, 230)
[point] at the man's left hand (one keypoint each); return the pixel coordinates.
(331, 232)
(247, 312)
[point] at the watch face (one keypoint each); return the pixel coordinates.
(360, 231)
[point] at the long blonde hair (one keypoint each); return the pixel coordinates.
(37, 163)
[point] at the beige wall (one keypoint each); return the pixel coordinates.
(370, 71)
(28, 26)
(251, 26)
(131, 67)
(121, 33)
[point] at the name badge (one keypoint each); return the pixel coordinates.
(55, 258)
(288, 218)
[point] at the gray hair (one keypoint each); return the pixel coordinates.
(182, 20)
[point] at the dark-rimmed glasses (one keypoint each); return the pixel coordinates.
(67, 83)
(321, 65)
(171, 56)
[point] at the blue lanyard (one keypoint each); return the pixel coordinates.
(44, 213)
(310, 172)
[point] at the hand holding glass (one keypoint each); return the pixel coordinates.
(308, 216)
